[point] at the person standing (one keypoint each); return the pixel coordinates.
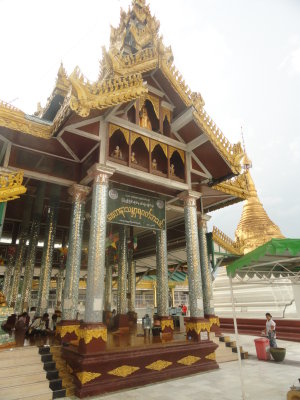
(270, 330)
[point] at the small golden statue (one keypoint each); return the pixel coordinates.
(2, 300)
(172, 170)
(154, 164)
(133, 159)
(144, 119)
(117, 153)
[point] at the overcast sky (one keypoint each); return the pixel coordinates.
(242, 56)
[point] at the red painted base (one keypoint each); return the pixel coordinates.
(92, 338)
(116, 369)
(121, 322)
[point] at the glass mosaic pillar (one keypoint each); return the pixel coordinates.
(197, 328)
(20, 255)
(131, 282)
(108, 287)
(162, 287)
(92, 333)
(2, 216)
(207, 287)
(46, 265)
(33, 242)
(11, 252)
(59, 287)
(71, 287)
(122, 271)
(207, 282)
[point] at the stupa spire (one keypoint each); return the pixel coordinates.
(255, 227)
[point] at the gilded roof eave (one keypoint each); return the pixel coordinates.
(237, 186)
(82, 98)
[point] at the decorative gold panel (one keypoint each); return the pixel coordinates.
(214, 321)
(11, 185)
(159, 365)
(114, 128)
(124, 371)
(180, 152)
(88, 334)
(135, 136)
(85, 376)
(168, 323)
(211, 356)
(188, 360)
(162, 145)
(166, 113)
(197, 326)
(64, 329)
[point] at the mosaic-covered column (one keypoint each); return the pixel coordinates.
(11, 252)
(121, 320)
(2, 216)
(46, 265)
(196, 326)
(132, 315)
(59, 286)
(20, 255)
(108, 287)
(69, 326)
(92, 333)
(33, 242)
(162, 288)
(207, 286)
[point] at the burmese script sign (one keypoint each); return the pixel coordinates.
(136, 210)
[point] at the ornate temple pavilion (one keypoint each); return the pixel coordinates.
(132, 158)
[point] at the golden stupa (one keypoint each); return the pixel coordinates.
(255, 227)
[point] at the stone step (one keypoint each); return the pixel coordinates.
(21, 370)
(224, 338)
(28, 351)
(44, 396)
(231, 344)
(19, 360)
(18, 380)
(20, 392)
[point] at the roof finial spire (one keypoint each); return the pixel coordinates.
(246, 162)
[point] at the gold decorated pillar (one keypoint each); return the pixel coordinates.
(196, 327)
(162, 288)
(33, 242)
(121, 320)
(46, 265)
(20, 255)
(71, 286)
(92, 332)
(131, 287)
(206, 275)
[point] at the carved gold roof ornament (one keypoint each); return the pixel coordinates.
(99, 95)
(61, 87)
(237, 186)
(11, 185)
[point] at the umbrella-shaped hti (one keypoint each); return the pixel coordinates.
(275, 259)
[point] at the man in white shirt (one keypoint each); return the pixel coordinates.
(270, 330)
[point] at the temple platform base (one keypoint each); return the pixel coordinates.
(121, 368)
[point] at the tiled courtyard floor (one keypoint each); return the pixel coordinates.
(262, 380)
